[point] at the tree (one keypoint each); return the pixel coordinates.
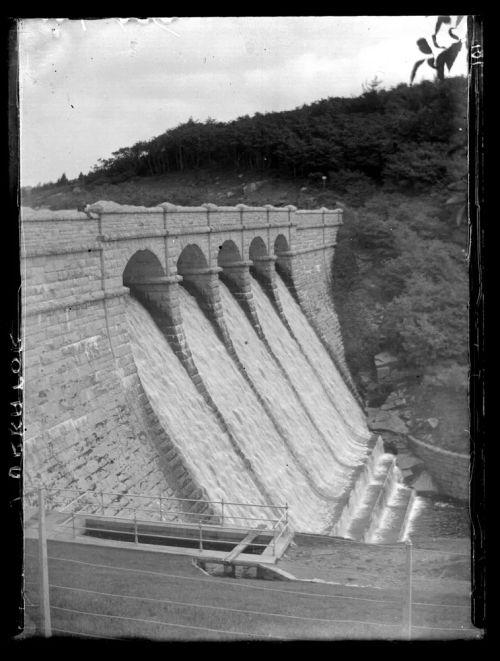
(442, 57)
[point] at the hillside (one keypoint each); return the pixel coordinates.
(395, 161)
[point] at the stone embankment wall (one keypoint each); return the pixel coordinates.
(449, 470)
(88, 423)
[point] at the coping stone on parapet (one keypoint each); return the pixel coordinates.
(107, 206)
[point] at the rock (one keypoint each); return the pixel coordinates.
(433, 422)
(424, 483)
(386, 420)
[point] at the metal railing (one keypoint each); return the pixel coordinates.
(96, 512)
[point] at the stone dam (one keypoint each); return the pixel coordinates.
(195, 353)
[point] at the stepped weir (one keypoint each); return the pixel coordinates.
(194, 354)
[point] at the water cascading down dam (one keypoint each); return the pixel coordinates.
(195, 352)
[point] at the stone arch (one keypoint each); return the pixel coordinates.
(280, 244)
(191, 260)
(281, 250)
(197, 277)
(262, 263)
(257, 249)
(142, 266)
(228, 253)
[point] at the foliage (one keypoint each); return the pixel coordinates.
(428, 322)
(372, 135)
(403, 289)
(441, 57)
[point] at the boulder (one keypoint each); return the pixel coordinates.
(433, 422)
(386, 420)
(424, 483)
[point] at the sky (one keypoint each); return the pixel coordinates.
(88, 88)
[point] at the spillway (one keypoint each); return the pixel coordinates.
(275, 387)
(249, 423)
(319, 359)
(184, 414)
(282, 441)
(337, 437)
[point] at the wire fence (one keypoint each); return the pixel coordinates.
(87, 597)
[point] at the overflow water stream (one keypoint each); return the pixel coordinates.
(301, 440)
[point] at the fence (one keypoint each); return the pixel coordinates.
(105, 593)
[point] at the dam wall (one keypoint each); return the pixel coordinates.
(89, 423)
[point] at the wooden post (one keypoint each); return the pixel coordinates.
(102, 503)
(136, 539)
(43, 569)
(408, 591)
(161, 509)
(201, 538)
(222, 507)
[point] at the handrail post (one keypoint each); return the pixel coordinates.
(409, 590)
(286, 512)
(43, 569)
(102, 503)
(136, 539)
(222, 510)
(201, 537)
(73, 524)
(161, 509)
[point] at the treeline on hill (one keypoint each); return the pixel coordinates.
(401, 136)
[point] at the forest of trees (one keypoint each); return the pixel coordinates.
(402, 136)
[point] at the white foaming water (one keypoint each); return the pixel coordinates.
(186, 417)
(337, 434)
(275, 389)
(249, 422)
(318, 357)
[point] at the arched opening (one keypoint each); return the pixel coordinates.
(262, 264)
(234, 272)
(197, 276)
(228, 254)
(191, 259)
(257, 249)
(142, 266)
(146, 279)
(281, 250)
(280, 245)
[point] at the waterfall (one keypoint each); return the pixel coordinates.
(278, 401)
(275, 387)
(318, 357)
(184, 414)
(337, 435)
(257, 437)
